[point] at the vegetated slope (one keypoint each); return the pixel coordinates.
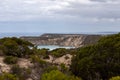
(74, 40)
(99, 61)
(20, 60)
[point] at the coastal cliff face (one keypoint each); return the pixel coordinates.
(73, 40)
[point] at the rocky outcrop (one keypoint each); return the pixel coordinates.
(73, 40)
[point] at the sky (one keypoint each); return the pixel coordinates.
(59, 16)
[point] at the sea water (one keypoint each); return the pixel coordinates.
(16, 34)
(2, 35)
(52, 47)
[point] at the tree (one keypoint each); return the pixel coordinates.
(99, 61)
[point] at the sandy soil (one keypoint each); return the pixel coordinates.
(4, 67)
(24, 63)
(60, 60)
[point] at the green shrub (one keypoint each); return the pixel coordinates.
(43, 51)
(8, 76)
(36, 59)
(57, 75)
(46, 57)
(1, 52)
(59, 52)
(16, 70)
(66, 57)
(21, 73)
(50, 68)
(15, 47)
(63, 67)
(10, 60)
(115, 78)
(25, 74)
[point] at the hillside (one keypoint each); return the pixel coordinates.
(19, 62)
(73, 40)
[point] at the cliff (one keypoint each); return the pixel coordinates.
(74, 40)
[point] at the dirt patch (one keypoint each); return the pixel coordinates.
(4, 67)
(66, 59)
(24, 63)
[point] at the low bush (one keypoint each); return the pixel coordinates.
(8, 76)
(10, 60)
(21, 73)
(16, 70)
(115, 78)
(66, 57)
(63, 68)
(57, 75)
(36, 60)
(59, 52)
(16, 47)
(50, 68)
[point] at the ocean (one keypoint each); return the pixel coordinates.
(52, 47)
(2, 35)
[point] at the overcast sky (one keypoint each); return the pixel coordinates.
(62, 16)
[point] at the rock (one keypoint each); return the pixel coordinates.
(73, 40)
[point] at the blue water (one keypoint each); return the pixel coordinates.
(52, 47)
(38, 34)
(2, 35)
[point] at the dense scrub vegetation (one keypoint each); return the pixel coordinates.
(100, 61)
(8, 76)
(15, 47)
(59, 52)
(115, 78)
(57, 75)
(10, 60)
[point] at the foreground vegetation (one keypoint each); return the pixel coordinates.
(100, 61)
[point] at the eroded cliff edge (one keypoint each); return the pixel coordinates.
(73, 40)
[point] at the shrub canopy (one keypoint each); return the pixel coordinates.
(15, 47)
(99, 61)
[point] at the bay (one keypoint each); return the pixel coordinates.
(52, 47)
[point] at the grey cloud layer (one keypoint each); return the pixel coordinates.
(44, 9)
(105, 0)
(93, 11)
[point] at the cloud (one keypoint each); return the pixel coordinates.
(92, 10)
(29, 9)
(61, 10)
(106, 0)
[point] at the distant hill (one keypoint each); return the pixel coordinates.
(74, 40)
